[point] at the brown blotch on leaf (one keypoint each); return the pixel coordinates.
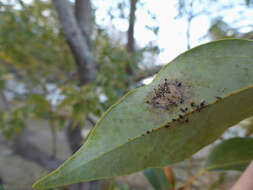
(168, 94)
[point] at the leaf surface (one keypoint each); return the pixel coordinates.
(157, 178)
(231, 154)
(190, 103)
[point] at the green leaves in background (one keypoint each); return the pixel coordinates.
(157, 178)
(231, 154)
(40, 106)
(190, 103)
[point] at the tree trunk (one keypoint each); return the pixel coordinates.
(28, 151)
(78, 43)
(83, 17)
(77, 30)
(130, 32)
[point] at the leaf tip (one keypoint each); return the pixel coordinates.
(49, 181)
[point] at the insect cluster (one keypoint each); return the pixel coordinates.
(169, 95)
(182, 118)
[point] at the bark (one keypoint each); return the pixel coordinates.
(83, 17)
(130, 32)
(78, 42)
(22, 147)
(188, 32)
(74, 137)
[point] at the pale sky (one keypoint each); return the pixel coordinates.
(172, 35)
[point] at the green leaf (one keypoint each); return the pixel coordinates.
(2, 84)
(40, 106)
(151, 127)
(231, 154)
(157, 178)
(2, 187)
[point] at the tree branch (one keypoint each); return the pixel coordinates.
(130, 32)
(22, 147)
(147, 73)
(83, 17)
(77, 41)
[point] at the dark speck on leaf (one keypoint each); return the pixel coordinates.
(202, 103)
(218, 98)
(182, 110)
(167, 126)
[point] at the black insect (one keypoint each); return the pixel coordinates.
(202, 103)
(174, 103)
(218, 98)
(182, 110)
(192, 104)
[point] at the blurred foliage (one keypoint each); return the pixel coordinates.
(231, 154)
(32, 42)
(221, 30)
(35, 57)
(118, 186)
(13, 122)
(157, 178)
